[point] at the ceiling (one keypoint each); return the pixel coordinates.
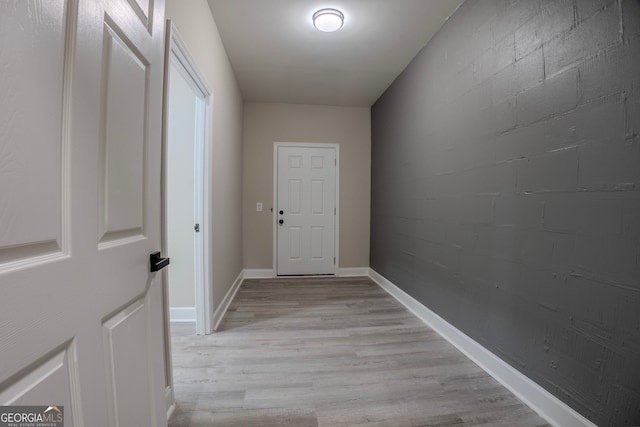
(278, 56)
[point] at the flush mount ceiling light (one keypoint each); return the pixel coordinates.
(328, 20)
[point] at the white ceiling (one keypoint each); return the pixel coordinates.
(278, 56)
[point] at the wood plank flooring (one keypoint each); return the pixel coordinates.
(330, 352)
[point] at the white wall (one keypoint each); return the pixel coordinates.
(196, 25)
(266, 123)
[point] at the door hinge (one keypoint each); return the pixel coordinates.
(335, 162)
(334, 260)
(197, 228)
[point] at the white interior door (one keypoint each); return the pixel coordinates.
(80, 135)
(306, 209)
(181, 175)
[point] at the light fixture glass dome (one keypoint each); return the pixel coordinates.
(328, 20)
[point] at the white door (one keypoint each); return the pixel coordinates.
(184, 204)
(80, 135)
(306, 209)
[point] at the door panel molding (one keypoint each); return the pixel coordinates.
(123, 137)
(42, 236)
(55, 372)
(144, 10)
(128, 377)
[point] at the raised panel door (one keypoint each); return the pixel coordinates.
(80, 124)
(306, 196)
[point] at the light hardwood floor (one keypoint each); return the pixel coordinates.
(330, 352)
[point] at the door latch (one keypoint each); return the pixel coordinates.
(197, 228)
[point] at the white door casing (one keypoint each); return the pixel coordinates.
(81, 316)
(305, 208)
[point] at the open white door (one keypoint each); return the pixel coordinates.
(305, 209)
(81, 315)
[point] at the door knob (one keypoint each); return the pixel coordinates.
(281, 222)
(281, 212)
(156, 262)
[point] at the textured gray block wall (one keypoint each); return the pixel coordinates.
(506, 191)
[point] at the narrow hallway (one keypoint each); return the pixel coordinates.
(330, 352)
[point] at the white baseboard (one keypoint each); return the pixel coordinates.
(258, 273)
(226, 301)
(549, 407)
(182, 314)
(171, 405)
(353, 272)
(255, 273)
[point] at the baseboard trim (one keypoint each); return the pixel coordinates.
(549, 407)
(171, 406)
(258, 273)
(353, 271)
(226, 301)
(182, 314)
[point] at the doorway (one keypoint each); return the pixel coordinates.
(188, 112)
(305, 209)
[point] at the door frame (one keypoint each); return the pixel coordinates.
(175, 45)
(336, 242)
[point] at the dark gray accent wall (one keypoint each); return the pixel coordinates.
(506, 191)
